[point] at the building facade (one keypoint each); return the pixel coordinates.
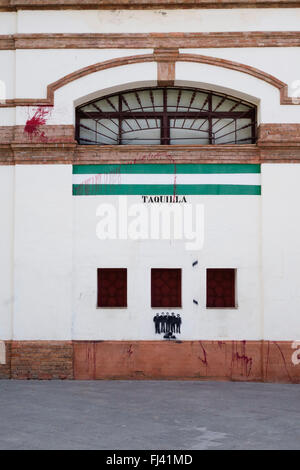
(149, 181)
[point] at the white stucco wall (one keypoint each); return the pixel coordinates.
(8, 22)
(232, 230)
(145, 74)
(281, 250)
(6, 250)
(27, 73)
(50, 255)
(43, 252)
(54, 252)
(7, 74)
(48, 247)
(276, 61)
(139, 21)
(48, 66)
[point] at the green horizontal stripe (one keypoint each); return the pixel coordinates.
(165, 189)
(138, 168)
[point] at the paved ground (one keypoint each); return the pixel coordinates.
(148, 415)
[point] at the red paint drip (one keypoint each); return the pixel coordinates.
(159, 156)
(130, 350)
(175, 178)
(243, 360)
(32, 126)
(284, 361)
(204, 359)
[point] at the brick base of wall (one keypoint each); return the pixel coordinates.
(260, 361)
(38, 360)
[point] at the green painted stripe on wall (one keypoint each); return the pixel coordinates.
(165, 189)
(138, 168)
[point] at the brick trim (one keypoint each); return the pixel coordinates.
(234, 39)
(156, 57)
(279, 135)
(166, 59)
(13, 5)
(55, 144)
(253, 71)
(52, 87)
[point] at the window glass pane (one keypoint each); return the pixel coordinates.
(110, 105)
(181, 100)
(185, 98)
(89, 108)
(242, 107)
(112, 287)
(173, 96)
(141, 131)
(165, 288)
(200, 102)
(87, 133)
(223, 131)
(130, 102)
(189, 131)
(220, 288)
(107, 131)
(244, 131)
(143, 101)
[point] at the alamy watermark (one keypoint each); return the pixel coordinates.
(154, 218)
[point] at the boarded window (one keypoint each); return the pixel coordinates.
(220, 285)
(112, 287)
(165, 288)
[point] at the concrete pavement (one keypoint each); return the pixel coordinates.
(148, 415)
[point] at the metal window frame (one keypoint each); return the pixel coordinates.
(165, 116)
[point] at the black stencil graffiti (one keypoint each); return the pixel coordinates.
(168, 324)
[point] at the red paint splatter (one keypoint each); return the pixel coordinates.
(204, 359)
(242, 359)
(130, 350)
(152, 156)
(33, 125)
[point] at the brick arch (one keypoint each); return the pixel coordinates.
(247, 69)
(169, 57)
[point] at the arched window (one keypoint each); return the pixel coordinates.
(166, 116)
